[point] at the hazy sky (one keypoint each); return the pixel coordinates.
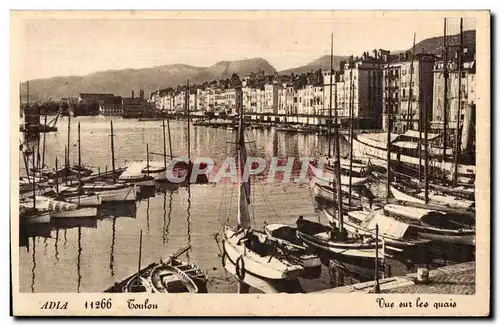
(62, 47)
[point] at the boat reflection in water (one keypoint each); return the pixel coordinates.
(122, 209)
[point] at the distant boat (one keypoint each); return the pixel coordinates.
(327, 175)
(285, 128)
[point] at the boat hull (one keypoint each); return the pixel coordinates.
(85, 200)
(364, 145)
(262, 266)
(318, 238)
(79, 212)
(40, 218)
(327, 175)
(113, 195)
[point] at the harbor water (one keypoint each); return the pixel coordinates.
(89, 255)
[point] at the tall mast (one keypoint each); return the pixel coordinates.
(140, 253)
(38, 154)
(410, 93)
(244, 187)
(66, 164)
(113, 151)
(337, 169)
(164, 144)
(169, 139)
(389, 127)
(331, 104)
(445, 95)
(188, 122)
(69, 130)
(57, 178)
(43, 146)
(27, 94)
(147, 158)
(79, 162)
(34, 180)
(351, 137)
(426, 155)
(459, 107)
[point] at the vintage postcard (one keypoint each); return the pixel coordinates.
(250, 163)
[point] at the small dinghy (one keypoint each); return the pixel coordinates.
(170, 275)
(171, 279)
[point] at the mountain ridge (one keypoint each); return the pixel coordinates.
(123, 81)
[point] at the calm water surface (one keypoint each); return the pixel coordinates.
(90, 255)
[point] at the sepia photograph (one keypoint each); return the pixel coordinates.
(250, 152)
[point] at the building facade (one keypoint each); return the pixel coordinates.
(408, 89)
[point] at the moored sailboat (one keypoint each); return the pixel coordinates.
(251, 251)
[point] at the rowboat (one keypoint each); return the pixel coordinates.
(292, 246)
(111, 191)
(171, 279)
(164, 277)
(434, 225)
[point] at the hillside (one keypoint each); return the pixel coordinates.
(122, 82)
(320, 63)
(435, 44)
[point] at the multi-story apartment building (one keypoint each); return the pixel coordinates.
(467, 91)
(407, 89)
(287, 100)
(270, 104)
(310, 100)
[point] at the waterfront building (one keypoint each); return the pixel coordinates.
(398, 80)
(112, 106)
(98, 97)
(270, 104)
(133, 107)
(467, 92)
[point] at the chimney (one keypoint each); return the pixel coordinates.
(132, 94)
(141, 94)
